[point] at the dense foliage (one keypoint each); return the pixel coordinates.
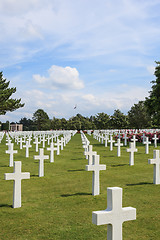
(7, 104)
(153, 101)
(41, 121)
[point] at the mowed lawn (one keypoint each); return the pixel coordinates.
(60, 204)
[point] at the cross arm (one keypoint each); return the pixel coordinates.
(8, 176)
(129, 213)
(101, 217)
(25, 175)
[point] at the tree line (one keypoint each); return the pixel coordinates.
(144, 114)
(136, 118)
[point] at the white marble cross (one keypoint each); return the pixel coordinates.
(156, 162)
(61, 142)
(146, 142)
(95, 167)
(155, 140)
(131, 150)
(90, 153)
(111, 141)
(85, 146)
(11, 152)
(106, 140)
(41, 159)
(43, 141)
(114, 215)
(118, 145)
(17, 176)
(125, 139)
(48, 139)
(27, 146)
(58, 145)
(36, 142)
(134, 140)
(21, 142)
(51, 149)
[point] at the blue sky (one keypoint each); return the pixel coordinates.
(98, 54)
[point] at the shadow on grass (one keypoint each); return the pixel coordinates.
(137, 184)
(76, 170)
(4, 166)
(77, 159)
(34, 175)
(5, 205)
(119, 165)
(76, 194)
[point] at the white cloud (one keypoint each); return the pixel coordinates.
(60, 77)
(123, 97)
(151, 69)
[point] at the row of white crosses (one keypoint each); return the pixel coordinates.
(114, 215)
(146, 142)
(93, 165)
(17, 176)
(156, 153)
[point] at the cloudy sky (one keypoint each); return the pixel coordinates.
(97, 54)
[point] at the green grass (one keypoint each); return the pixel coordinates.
(60, 205)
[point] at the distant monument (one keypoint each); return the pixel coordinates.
(16, 127)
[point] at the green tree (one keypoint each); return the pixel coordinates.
(101, 121)
(28, 124)
(5, 126)
(118, 120)
(41, 120)
(138, 116)
(153, 101)
(7, 104)
(56, 124)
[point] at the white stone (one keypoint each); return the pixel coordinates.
(17, 176)
(125, 139)
(21, 142)
(41, 159)
(134, 140)
(114, 215)
(155, 140)
(118, 145)
(51, 149)
(58, 146)
(106, 140)
(36, 142)
(95, 167)
(111, 141)
(156, 162)
(146, 142)
(11, 152)
(90, 153)
(27, 146)
(43, 141)
(131, 150)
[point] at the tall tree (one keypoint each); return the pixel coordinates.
(101, 120)
(153, 101)
(7, 104)
(138, 116)
(28, 124)
(41, 120)
(118, 120)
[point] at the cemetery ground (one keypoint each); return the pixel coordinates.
(60, 204)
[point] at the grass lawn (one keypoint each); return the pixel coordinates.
(60, 204)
